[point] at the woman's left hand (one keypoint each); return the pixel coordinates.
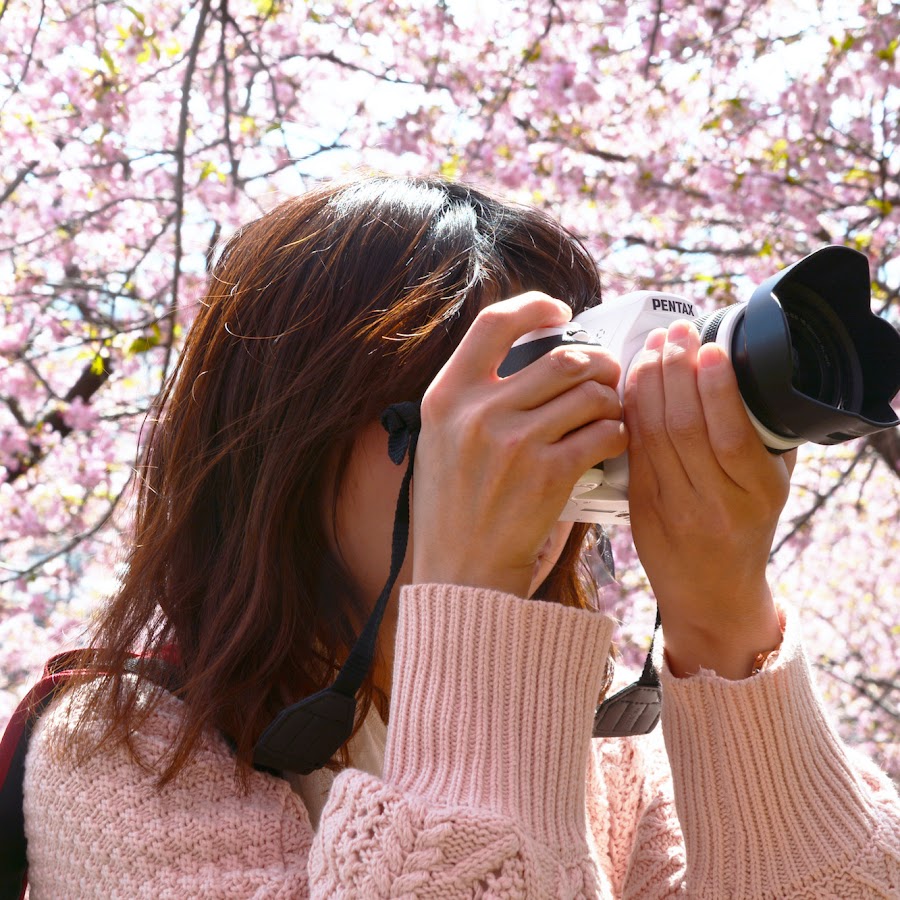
(705, 496)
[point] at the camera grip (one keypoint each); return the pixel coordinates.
(524, 354)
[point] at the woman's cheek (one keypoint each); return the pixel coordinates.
(549, 554)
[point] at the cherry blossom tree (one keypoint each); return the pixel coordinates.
(694, 146)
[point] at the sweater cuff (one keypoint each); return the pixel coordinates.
(763, 787)
(492, 705)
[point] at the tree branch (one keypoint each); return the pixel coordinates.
(887, 445)
(821, 499)
(226, 95)
(20, 176)
(653, 36)
(180, 158)
(69, 545)
(95, 374)
(29, 56)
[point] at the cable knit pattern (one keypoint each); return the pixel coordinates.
(492, 766)
(635, 837)
(492, 787)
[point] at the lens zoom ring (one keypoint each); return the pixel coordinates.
(709, 325)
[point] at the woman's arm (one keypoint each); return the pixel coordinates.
(705, 497)
(488, 744)
(770, 800)
(768, 797)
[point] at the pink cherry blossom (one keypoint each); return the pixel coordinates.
(695, 146)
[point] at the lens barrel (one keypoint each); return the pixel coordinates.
(813, 362)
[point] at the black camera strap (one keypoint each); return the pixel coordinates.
(635, 709)
(305, 736)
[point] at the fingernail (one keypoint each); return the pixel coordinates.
(711, 356)
(680, 331)
(655, 339)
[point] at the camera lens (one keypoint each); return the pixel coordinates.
(794, 357)
(825, 365)
(813, 362)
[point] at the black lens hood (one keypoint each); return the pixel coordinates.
(763, 357)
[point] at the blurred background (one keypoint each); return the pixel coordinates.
(696, 147)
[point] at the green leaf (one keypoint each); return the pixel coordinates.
(210, 169)
(883, 206)
(110, 62)
(146, 341)
(450, 167)
(150, 48)
(889, 53)
(842, 45)
(138, 15)
(267, 9)
(141, 345)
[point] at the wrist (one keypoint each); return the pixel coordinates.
(734, 648)
(509, 581)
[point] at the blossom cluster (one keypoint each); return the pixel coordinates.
(696, 146)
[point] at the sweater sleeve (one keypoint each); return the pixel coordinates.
(771, 802)
(483, 791)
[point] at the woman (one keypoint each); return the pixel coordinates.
(263, 537)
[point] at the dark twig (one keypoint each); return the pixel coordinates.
(226, 94)
(69, 545)
(29, 56)
(92, 378)
(821, 499)
(887, 445)
(657, 21)
(180, 158)
(20, 176)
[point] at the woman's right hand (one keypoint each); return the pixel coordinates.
(497, 457)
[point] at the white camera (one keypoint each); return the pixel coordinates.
(813, 362)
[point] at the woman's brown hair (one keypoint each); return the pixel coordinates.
(318, 316)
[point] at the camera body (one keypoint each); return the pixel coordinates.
(620, 327)
(812, 361)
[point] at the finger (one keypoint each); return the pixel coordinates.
(583, 448)
(642, 476)
(737, 447)
(790, 461)
(496, 328)
(558, 371)
(581, 405)
(647, 421)
(684, 418)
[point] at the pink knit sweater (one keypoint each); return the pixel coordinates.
(492, 787)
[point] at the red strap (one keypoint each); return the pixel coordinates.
(13, 750)
(23, 718)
